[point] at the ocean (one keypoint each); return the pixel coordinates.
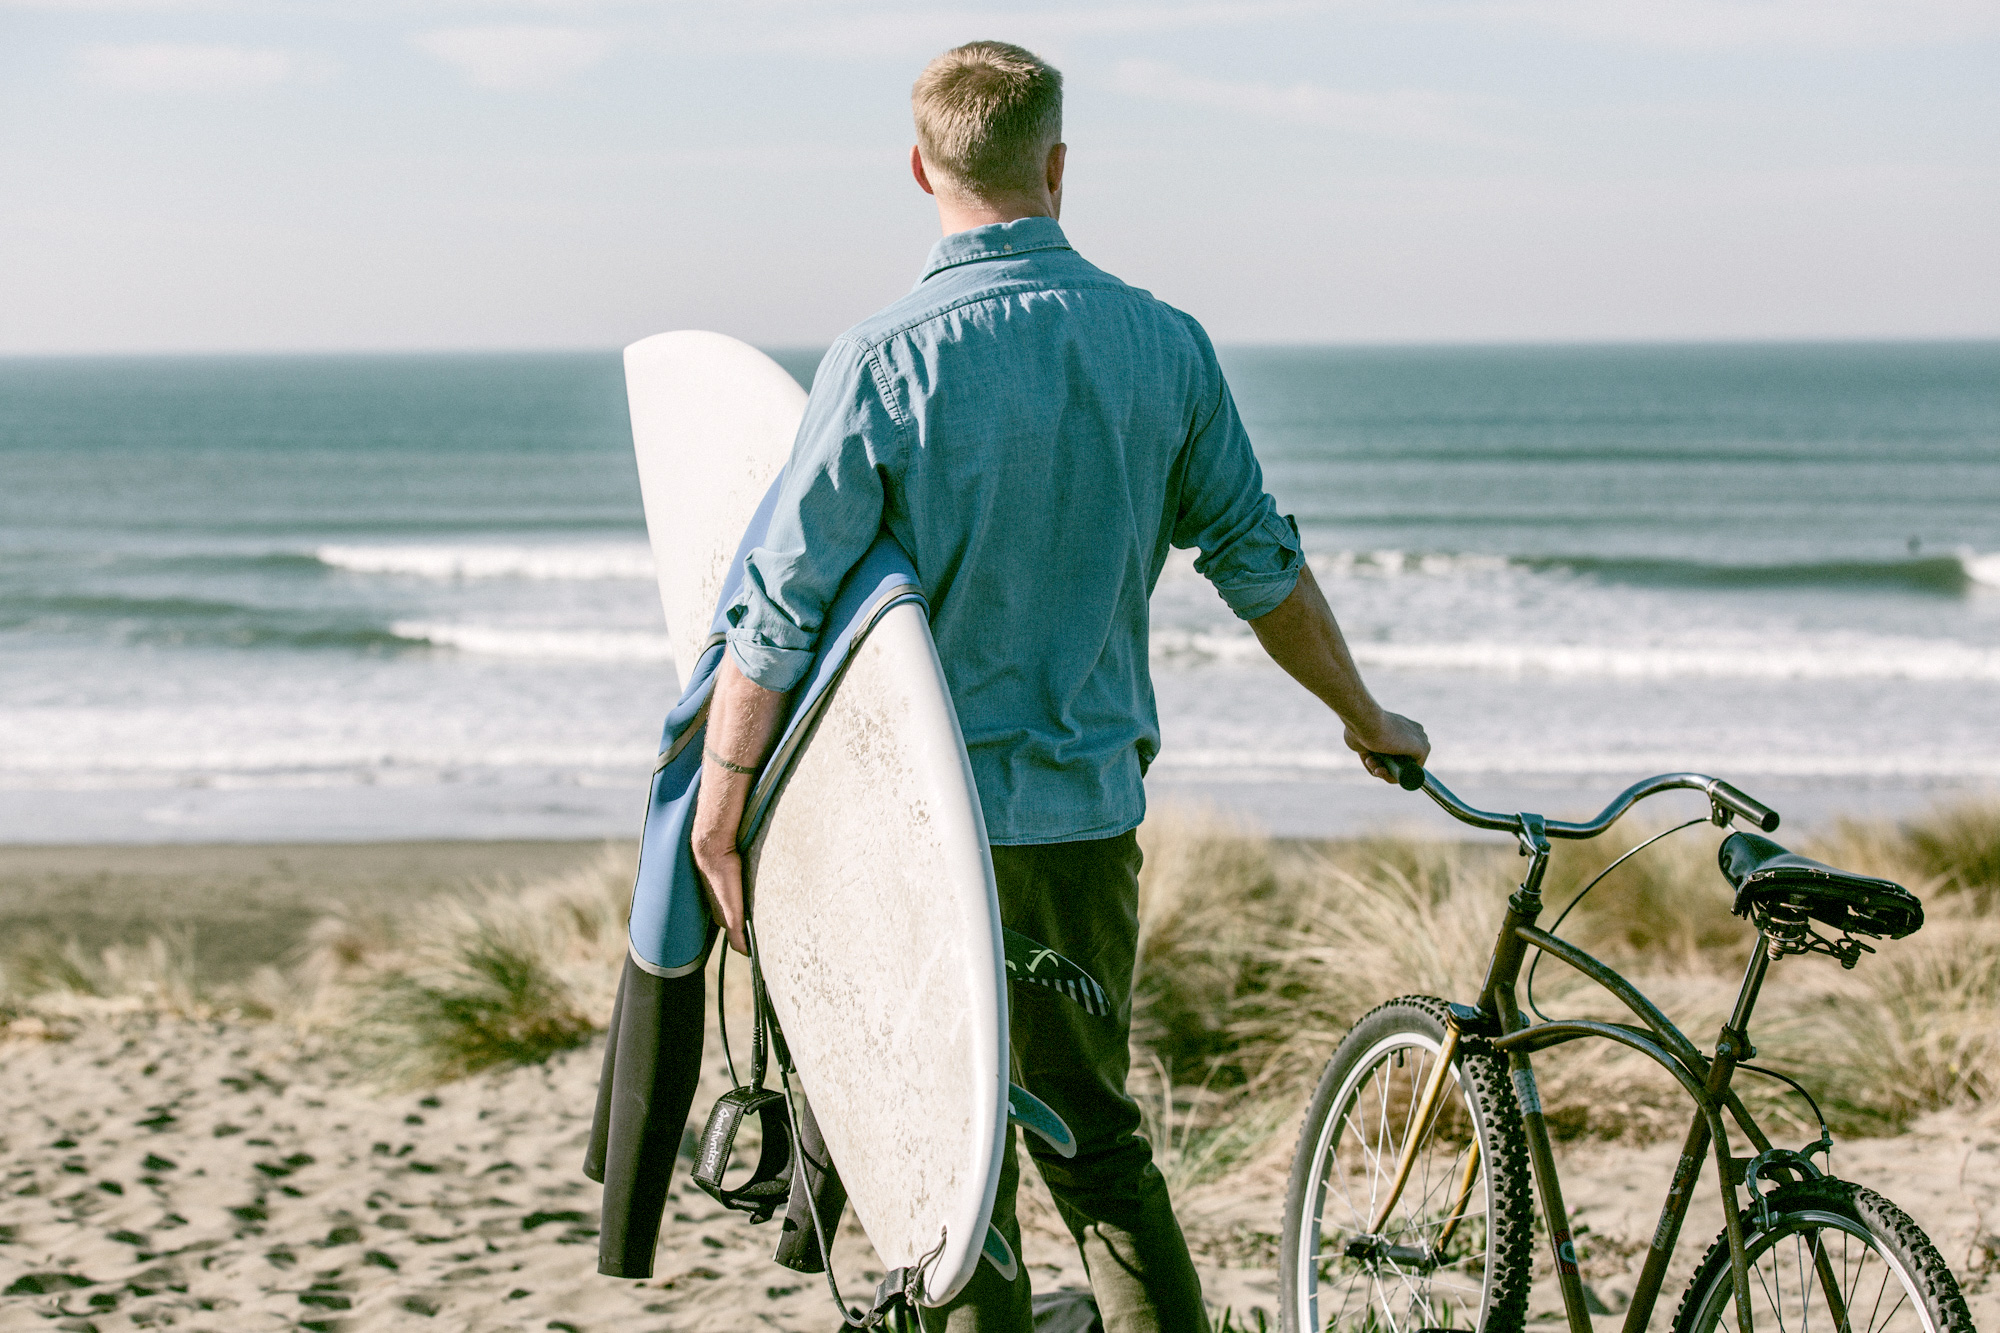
(288, 598)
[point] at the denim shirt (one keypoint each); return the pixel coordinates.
(1036, 434)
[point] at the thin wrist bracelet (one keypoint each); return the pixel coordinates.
(716, 759)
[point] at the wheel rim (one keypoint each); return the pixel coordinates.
(1880, 1293)
(1388, 1287)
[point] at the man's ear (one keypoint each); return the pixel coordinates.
(917, 170)
(1058, 155)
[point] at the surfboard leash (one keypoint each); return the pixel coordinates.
(897, 1294)
(722, 1014)
(770, 1182)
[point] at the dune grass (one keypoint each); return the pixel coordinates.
(48, 984)
(1255, 956)
(504, 975)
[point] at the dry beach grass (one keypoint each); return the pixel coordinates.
(386, 1127)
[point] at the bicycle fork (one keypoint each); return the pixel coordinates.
(1499, 1012)
(1498, 1005)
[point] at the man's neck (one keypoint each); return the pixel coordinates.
(963, 215)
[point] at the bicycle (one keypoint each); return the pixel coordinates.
(1424, 1147)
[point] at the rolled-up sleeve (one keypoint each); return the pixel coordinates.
(1249, 551)
(829, 510)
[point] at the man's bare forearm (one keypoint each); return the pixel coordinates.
(743, 720)
(1302, 636)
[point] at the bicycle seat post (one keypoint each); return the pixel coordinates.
(1738, 1029)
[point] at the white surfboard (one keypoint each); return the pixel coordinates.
(871, 883)
(712, 424)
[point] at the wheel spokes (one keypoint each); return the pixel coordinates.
(1805, 1288)
(1400, 1279)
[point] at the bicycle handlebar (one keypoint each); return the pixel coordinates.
(1763, 816)
(1410, 776)
(1408, 773)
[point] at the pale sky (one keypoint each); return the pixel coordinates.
(243, 175)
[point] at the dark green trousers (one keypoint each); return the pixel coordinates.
(1082, 900)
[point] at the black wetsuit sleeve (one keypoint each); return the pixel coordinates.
(652, 1062)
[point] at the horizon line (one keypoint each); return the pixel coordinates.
(1248, 344)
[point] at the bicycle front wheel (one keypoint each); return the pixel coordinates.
(1833, 1256)
(1453, 1251)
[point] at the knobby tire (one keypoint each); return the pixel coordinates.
(1896, 1281)
(1481, 1279)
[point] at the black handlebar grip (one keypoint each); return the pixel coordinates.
(1763, 816)
(1409, 774)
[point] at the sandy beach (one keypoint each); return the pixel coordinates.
(238, 1176)
(233, 1176)
(222, 1173)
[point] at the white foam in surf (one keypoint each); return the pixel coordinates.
(411, 760)
(1928, 661)
(546, 645)
(1617, 765)
(1396, 564)
(604, 560)
(1179, 645)
(1368, 564)
(1890, 660)
(1981, 569)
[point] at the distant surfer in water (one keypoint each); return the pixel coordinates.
(1037, 435)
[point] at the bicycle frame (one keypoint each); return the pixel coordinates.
(1497, 1017)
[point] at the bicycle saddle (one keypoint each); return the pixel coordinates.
(1787, 887)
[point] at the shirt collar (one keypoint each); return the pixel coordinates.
(995, 240)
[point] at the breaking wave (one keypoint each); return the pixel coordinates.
(539, 644)
(193, 622)
(1616, 765)
(603, 560)
(282, 762)
(1885, 660)
(1956, 573)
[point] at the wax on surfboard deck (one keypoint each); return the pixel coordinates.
(871, 884)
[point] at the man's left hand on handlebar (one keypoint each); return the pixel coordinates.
(1388, 733)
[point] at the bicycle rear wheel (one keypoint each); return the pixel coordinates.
(1886, 1276)
(1454, 1252)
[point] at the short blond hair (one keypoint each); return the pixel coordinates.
(987, 114)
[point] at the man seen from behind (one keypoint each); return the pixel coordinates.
(1038, 436)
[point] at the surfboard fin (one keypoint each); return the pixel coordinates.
(1034, 1115)
(1000, 1254)
(1038, 966)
